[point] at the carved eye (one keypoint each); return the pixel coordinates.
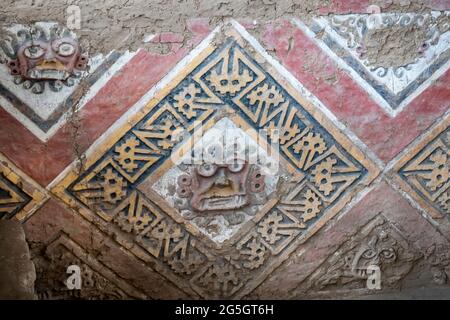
(369, 254)
(236, 166)
(33, 52)
(66, 49)
(207, 169)
(388, 254)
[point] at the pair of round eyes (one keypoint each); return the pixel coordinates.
(385, 253)
(34, 51)
(209, 169)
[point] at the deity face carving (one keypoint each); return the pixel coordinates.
(218, 187)
(48, 60)
(43, 53)
(374, 253)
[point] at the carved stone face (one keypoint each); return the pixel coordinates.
(218, 187)
(43, 53)
(375, 252)
(48, 60)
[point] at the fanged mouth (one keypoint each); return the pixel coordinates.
(48, 74)
(223, 203)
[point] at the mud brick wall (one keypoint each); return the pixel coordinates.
(17, 272)
(345, 102)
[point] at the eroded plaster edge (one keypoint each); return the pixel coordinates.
(343, 65)
(363, 83)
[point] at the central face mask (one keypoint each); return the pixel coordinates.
(55, 60)
(40, 54)
(218, 187)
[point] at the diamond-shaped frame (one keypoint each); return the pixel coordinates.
(20, 196)
(170, 242)
(424, 178)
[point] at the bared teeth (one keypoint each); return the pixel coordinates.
(224, 203)
(48, 74)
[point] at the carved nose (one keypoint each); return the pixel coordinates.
(222, 180)
(49, 55)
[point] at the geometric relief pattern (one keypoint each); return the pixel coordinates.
(97, 281)
(19, 195)
(140, 150)
(425, 171)
(160, 235)
(350, 38)
(323, 167)
(12, 199)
